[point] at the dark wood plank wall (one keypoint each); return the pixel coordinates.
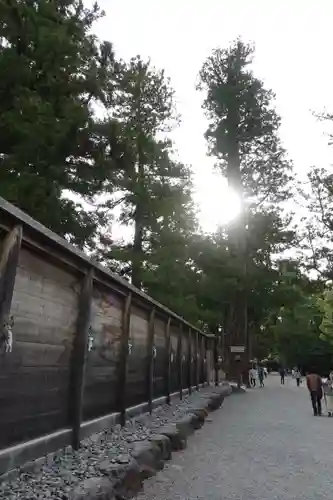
(174, 333)
(199, 359)
(137, 360)
(159, 360)
(34, 377)
(100, 391)
(202, 349)
(192, 340)
(185, 358)
(79, 356)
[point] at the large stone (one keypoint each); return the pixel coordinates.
(215, 402)
(237, 390)
(185, 425)
(177, 441)
(197, 421)
(148, 455)
(163, 442)
(201, 413)
(131, 482)
(212, 401)
(126, 477)
(95, 488)
(206, 402)
(226, 390)
(123, 459)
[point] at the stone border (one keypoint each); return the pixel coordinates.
(123, 481)
(235, 389)
(36, 449)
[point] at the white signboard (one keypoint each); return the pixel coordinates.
(237, 348)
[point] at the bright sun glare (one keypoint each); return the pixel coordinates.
(217, 203)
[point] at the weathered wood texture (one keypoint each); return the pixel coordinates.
(174, 334)
(185, 359)
(189, 361)
(168, 360)
(9, 255)
(193, 363)
(123, 358)
(57, 248)
(79, 357)
(216, 364)
(202, 350)
(136, 388)
(34, 377)
(180, 362)
(39, 379)
(196, 359)
(150, 359)
(160, 344)
(100, 394)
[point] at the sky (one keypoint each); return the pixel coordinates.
(293, 42)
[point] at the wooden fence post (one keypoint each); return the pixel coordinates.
(167, 361)
(79, 355)
(196, 348)
(150, 359)
(8, 265)
(180, 360)
(206, 363)
(216, 362)
(122, 380)
(202, 345)
(189, 364)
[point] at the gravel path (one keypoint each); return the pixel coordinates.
(264, 444)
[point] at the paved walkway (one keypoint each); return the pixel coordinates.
(264, 444)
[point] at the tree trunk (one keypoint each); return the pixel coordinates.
(139, 210)
(237, 323)
(137, 248)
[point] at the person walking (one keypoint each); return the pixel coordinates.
(253, 377)
(282, 375)
(331, 377)
(298, 377)
(261, 375)
(315, 387)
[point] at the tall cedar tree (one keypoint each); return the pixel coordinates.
(242, 135)
(51, 71)
(148, 185)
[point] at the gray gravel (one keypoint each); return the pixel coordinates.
(262, 445)
(59, 475)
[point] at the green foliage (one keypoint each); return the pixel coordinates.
(325, 304)
(297, 332)
(243, 126)
(293, 317)
(243, 137)
(51, 70)
(150, 186)
(317, 236)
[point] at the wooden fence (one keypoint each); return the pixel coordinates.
(85, 343)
